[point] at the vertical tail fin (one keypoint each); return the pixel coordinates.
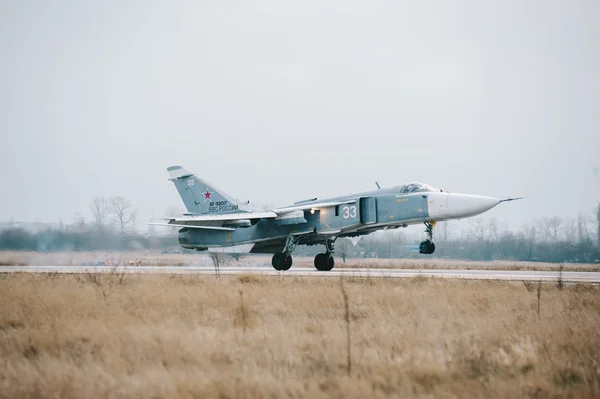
(198, 195)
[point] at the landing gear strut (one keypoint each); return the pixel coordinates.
(283, 260)
(427, 246)
(324, 262)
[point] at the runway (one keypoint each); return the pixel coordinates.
(517, 275)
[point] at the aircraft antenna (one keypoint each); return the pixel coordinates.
(512, 199)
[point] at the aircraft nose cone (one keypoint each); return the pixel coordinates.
(465, 205)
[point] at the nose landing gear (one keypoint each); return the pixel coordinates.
(427, 246)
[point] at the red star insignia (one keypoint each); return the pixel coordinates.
(207, 195)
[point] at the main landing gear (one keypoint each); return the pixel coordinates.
(324, 262)
(427, 246)
(283, 260)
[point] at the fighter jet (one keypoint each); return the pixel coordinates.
(217, 222)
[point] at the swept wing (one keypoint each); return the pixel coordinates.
(216, 221)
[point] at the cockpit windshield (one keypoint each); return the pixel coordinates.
(417, 188)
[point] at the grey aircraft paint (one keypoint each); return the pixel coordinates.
(372, 210)
(216, 221)
(198, 195)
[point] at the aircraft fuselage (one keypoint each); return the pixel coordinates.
(363, 213)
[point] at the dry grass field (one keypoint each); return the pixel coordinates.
(148, 336)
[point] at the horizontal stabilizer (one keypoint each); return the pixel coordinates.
(192, 226)
(226, 217)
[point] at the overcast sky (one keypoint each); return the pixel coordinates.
(279, 101)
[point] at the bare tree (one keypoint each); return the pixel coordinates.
(78, 219)
(570, 229)
(551, 228)
(477, 229)
(343, 248)
(530, 233)
(100, 210)
(174, 211)
(582, 227)
(545, 230)
(122, 211)
(493, 230)
(555, 227)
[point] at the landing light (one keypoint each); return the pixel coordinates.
(312, 211)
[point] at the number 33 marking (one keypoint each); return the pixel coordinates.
(349, 212)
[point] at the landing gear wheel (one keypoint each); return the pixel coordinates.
(319, 261)
(287, 262)
(431, 249)
(278, 261)
(423, 248)
(281, 261)
(324, 262)
(427, 247)
(330, 263)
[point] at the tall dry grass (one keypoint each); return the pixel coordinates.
(74, 336)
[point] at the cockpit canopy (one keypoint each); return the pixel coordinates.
(417, 187)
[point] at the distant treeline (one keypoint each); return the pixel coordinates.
(545, 240)
(18, 239)
(551, 239)
(508, 247)
(514, 247)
